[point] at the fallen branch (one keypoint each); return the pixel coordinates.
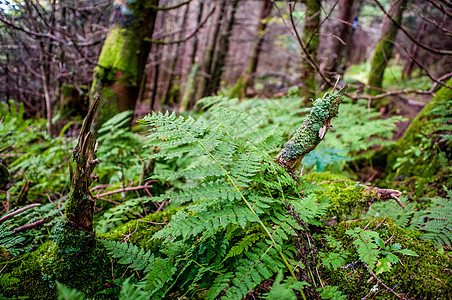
(28, 226)
(10, 215)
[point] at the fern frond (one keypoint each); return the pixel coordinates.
(128, 254)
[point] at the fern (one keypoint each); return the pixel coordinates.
(6, 280)
(367, 248)
(331, 292)
(66, 293)
(438, 227)
(130, 291)
(137, 258)
(225, 202)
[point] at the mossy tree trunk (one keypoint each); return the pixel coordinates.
(210, 51)
(74, 258)
(123, 58)
(311, 40)
(383, 51)
(265, 12)
(79, 208)
(420, 128)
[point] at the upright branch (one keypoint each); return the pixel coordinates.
(311, 132)
(79, 209)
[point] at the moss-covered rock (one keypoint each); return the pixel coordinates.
(426, 276)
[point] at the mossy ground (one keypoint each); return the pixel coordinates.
(346, 197)
(78, 260)
(427, 276)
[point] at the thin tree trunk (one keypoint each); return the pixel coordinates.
(196, 40)
(410, 64)
(383, 51)
(45, 69)
(193, 69)
(157, 61)
(223, 49)
(123, 57)
(341, 42)
(266, 10)
(176, 58)
(210, 51)
(311, 40)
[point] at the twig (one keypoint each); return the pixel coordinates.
(134, 188)
(436, 51)
(387, 287)
(34, 224)
(6, 217)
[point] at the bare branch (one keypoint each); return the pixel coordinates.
(436, 51)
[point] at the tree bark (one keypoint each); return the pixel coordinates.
(79, 208)
(123, 57)
(311, 40)
(266, 11)
(338, 52)
(210, 51)
(193, 68)
(383, 51)
(223, 49)
(176, 58)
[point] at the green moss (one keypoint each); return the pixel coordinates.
(28, 271)
(119, 53)
(140, 232)
(76, 259)
(424, 277)
(346, 197)
(420, 152)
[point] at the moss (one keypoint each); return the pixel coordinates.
(421, 149)
(76, 259)
(28, 271)
(120, 54)
(346, 197)
(424, 277)
(140, 232)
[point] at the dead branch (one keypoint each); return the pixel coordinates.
(10, 215)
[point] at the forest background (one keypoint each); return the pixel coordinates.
(246, 72)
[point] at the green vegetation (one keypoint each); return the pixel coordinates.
(220, 218)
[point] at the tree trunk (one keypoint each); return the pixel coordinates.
(223, 49)
(193, 69)
(410, 64)
(338, 51)
(210, 51)
(168, 94)
(266, 11)
(383, 51)
(123, 57)
(311, 40)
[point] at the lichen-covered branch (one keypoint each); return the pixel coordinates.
(309, 135)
